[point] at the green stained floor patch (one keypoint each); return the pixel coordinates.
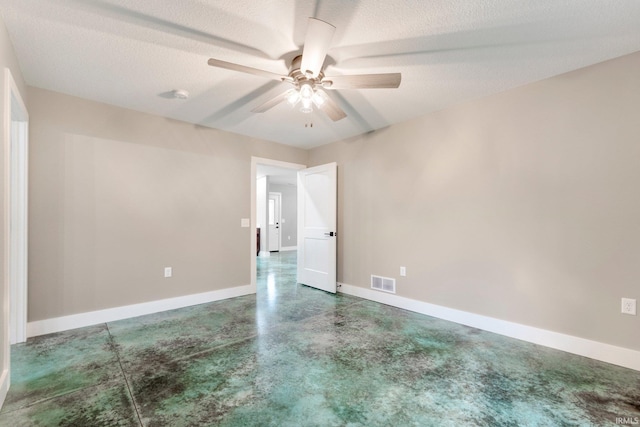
(162, 337)
(199, 390)
(55, 364)
(105, 405)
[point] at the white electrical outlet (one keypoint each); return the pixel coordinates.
(168, 272)
(403, 271)
(628, 306)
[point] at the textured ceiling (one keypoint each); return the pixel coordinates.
(133, 54)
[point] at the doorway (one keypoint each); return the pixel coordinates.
(272, 176)
(316, 219)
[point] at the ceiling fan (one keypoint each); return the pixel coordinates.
(308, 79)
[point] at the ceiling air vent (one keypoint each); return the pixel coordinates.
(384, 284)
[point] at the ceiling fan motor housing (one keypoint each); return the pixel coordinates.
(299, 77)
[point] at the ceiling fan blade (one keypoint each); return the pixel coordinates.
(270, 103)
(363, 81)
(236, 67)
(331, 109)
(316, 45)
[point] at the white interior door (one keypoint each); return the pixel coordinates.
(317, 226)
(274, 221)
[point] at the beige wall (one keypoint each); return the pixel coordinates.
(522, 206)
(7, 60)
(118, 195)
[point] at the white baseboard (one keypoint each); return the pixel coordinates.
(593, 349)
(64, 323)
(288, 248)
(4, 386)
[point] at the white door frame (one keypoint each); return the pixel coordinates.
(16, 157)
(17, 180)
(255, 161)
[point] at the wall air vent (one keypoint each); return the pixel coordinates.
(384, 284)
(389, 285)
(376, 282)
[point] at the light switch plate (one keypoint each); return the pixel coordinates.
(245, 222)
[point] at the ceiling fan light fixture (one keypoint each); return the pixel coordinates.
(306, 91)
(319, 98)
(306, 98)
(293, 97)
(306, 105)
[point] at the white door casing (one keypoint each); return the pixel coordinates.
(317, 226)
(13, 316)
(18, 227)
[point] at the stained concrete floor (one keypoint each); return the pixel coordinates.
(295, 356)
